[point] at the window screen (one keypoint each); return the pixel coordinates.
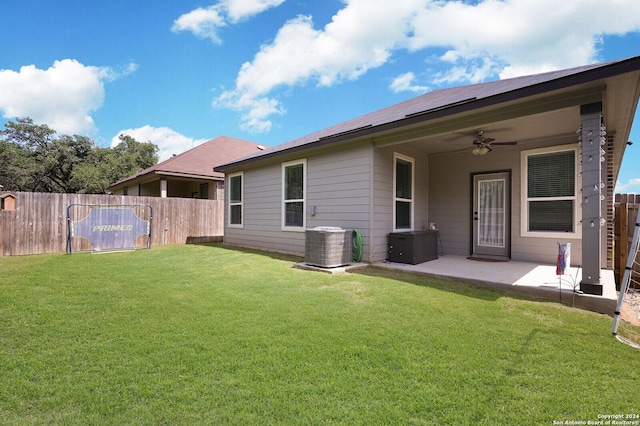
(403, 200)
(235, 200)
(294, 195)
(551, 175)
(204, 191)
(551, 216)
(294, 182)
(551, 180)
(403, 179)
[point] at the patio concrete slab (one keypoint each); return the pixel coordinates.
(521, 277)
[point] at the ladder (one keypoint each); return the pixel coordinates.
(626, 280)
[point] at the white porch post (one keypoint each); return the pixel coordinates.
(592, 187)
(163, 188)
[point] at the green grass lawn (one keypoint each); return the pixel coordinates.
(203, 334)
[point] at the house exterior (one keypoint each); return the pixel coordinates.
(190, 174)
(505, 169)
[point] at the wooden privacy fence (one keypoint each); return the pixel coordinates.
(36, 223)
(626, 206)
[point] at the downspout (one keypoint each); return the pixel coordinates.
(371, 198)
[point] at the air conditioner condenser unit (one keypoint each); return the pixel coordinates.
(327, 247)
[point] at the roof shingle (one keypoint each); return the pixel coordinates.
(199, 162)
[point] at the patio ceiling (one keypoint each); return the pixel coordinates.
(524, 130)
(549, 115)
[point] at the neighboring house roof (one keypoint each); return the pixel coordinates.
(445, 102)
(198, 162)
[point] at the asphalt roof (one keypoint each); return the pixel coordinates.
(199, 161)
(444, 102)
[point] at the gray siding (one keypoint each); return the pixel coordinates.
(261, 205)
(382, 203)
(450, 199)
(383, 196)
(352, 188)
(338, 186)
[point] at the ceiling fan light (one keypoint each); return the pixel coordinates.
(480, 150)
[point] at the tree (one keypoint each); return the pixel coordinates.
(106, 166)
(34, 158)
(22, 143)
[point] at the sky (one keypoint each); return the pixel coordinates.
(178, 73)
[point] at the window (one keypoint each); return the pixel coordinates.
(294, 188)
(125, 190)
(403, 192)
(549, 190)
(235, 200)
(204, 191)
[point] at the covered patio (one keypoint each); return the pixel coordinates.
(520, 277)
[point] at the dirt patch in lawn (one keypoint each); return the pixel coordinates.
(630, 311)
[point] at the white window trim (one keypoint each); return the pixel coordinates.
(397, 156)
(524, 200)
(303, 199)
(241, 203)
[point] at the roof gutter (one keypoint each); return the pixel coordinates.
(163, 173)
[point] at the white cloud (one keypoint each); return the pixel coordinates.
(405, 82)
(481, 40)
(360, 37)
(632, 186)
(205, 22)
(242, 9)
(255, 110)
(62, 96)
(169, 141)
(521, 36)
(468, 71)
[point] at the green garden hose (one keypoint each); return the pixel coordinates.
(356, 246)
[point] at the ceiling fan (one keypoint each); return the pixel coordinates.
(482, 145)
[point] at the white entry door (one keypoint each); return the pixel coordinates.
(491, 214)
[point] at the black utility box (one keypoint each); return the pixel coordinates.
(413, 247)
